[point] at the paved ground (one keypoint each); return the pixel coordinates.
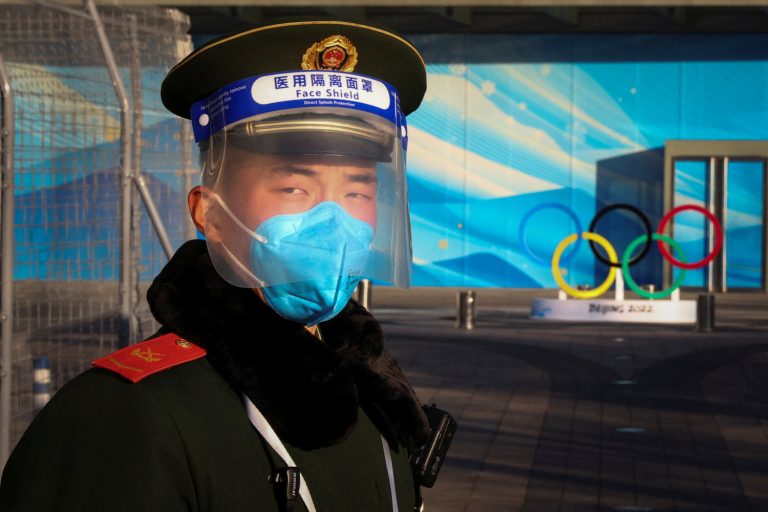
(589, 417)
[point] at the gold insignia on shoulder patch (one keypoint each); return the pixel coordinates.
(335, 53)
(149, 357)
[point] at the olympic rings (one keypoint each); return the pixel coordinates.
(643, 218)
(626, 260)
(625, 264)
(536, 209)
(584, 294)
(715, 249)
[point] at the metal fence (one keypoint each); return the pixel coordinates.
(84, 170)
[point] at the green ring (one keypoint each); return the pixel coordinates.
(631, 282)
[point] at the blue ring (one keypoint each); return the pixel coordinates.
(536, 209)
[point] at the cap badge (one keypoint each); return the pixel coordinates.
(335, 53)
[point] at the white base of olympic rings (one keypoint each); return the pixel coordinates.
(607, 310)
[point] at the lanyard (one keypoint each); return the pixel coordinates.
(390, 474)
(270, 436)
(265, 429)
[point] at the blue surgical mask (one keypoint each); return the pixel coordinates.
(314, 260)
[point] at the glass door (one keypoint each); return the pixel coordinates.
(691, 229)
(743, 222)
(728, 178)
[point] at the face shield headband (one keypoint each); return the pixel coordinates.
(305, 184)
(255, 96)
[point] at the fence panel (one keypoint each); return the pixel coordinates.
(68, 175)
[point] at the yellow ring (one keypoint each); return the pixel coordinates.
(584, 294)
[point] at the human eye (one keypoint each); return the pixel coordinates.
(294, 191)
(359, 196)
(361, 187)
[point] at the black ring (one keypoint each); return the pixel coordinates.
(636, 211)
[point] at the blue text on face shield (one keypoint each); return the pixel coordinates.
(311, 262)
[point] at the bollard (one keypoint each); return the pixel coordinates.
(705, 313)
(363, 293)
(466, 309)
(41, 385)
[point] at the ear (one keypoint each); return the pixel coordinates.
(199, 201)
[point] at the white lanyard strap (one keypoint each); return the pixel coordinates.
(265, 429)
(390, 473)
(270, 436)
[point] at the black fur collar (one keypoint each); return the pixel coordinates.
(308, 390)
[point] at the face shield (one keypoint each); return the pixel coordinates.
(303, 180)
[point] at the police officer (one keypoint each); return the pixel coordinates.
(266, 388)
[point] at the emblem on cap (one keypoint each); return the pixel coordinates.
(336, 53)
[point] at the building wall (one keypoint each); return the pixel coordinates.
(518, 137)
(516, 122)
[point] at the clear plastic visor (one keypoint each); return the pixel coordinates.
(307, 194)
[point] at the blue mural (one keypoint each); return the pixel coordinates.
(511, 122)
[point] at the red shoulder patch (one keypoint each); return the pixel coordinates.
(149, 357)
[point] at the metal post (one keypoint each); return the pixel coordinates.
(650, 288)
(188, 170)
(363, 293)
(7, 207)
(136, 146)
(713, 186)
(705, 313)
(128, 325)
(618, 295)
(154, 216)
(466, 310)
(722, 205)
(138, 176)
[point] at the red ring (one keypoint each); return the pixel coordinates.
(718, 237)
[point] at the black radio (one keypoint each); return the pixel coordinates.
(427, 462)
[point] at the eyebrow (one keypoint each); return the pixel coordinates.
(292, 169)
(360, 177)
(368, 177)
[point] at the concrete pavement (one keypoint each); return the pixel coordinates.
(589, 417)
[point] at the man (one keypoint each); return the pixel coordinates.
(267, 388)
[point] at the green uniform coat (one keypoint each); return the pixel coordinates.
(180, 440)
